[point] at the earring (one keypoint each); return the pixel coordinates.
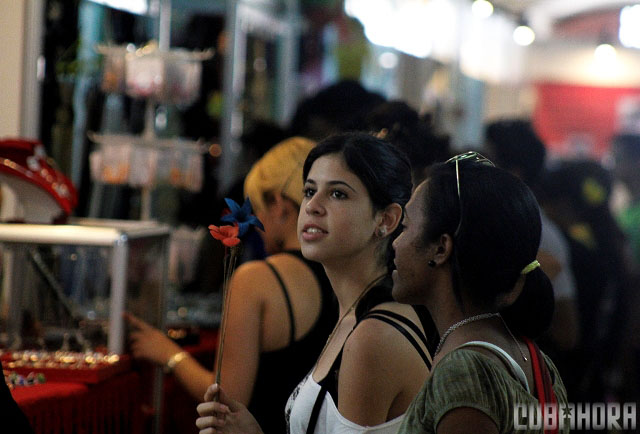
(431, 263)
(382, 232)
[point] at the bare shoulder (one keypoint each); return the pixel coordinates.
(379, 373)
(381, 342)
(251, 277)
(369, 339)
(376, 341)
(286, 260)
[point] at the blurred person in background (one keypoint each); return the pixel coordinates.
(626, 156)
(513, 145)
(576, 196)
(626, 169)
(340, 107)
(281, 308)
(401, 125)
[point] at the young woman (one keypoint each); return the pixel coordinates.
(281, 309)
(355, 188)
(468, 253)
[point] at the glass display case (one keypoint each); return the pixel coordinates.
(67, 286)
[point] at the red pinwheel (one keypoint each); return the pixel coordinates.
(228, 235)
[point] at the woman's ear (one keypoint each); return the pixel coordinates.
(444, 249)
(284, 207)
(389, 219)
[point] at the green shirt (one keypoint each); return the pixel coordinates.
(629, 221)
(468, 378)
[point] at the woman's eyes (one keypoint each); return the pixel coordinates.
(336, 194)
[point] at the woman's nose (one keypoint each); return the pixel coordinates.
(314, 206)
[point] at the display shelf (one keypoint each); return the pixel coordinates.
(66, 367)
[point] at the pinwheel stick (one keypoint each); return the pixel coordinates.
(230, 261)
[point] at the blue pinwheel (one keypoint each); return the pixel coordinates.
(242, 216)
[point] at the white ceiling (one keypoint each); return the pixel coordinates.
(542, 14)
(558, 9)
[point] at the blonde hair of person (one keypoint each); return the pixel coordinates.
(278, 171)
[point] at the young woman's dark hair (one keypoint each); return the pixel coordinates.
(382, 167)
(497, 235)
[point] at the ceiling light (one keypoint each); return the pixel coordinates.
(605, 53)
(629, 33)
(482, 8)
(524, 35)
(388, 60)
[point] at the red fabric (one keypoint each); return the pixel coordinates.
(564, 112)
(110, 407)
(49, 407)
(542, 379)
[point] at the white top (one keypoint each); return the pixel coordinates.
(515, 368)
(300, 405)
(553, 242)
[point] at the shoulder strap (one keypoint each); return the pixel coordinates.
(515, 368)
(542, 378)
(429, 327)
(292, 333)
(315, 412)
(389, 317)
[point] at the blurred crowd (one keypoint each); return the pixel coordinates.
(591, 224)
(590, 244)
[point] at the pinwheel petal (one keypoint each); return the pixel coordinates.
(233, 206)
(253, 220)
(243, 228)
(242, 216)
(231, 242)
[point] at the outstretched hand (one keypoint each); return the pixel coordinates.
(149, 343)
(221, 414)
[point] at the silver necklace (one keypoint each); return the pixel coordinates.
(513, 337)
(460, 324)
(478, 318)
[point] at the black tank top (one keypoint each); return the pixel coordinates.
(280, 371)
(366, 308)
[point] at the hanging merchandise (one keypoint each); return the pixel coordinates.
(169, 77)
(159, 77)
(146, 163)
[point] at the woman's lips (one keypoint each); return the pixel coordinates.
(312, 233)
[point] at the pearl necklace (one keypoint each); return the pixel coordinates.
(473, 319)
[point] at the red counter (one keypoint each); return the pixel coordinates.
(115, 405)
(110, 407)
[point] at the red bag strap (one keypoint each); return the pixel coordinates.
(542, 379)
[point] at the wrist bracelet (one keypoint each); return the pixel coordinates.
(174, 360)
